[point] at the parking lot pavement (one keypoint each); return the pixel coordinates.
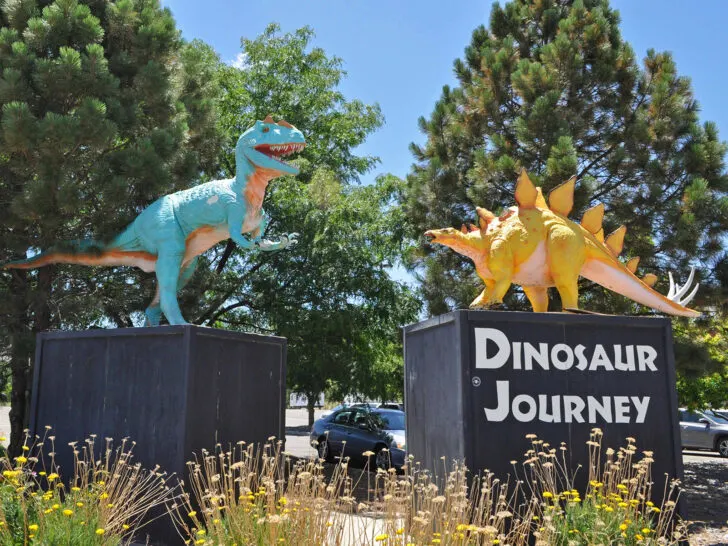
(696, 456)
(299, 417)
(5, 421)
(298, 446)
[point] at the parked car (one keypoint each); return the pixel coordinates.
(370, 405)
(704, 430)
(354, 430)
(720, 412)
(392, 405)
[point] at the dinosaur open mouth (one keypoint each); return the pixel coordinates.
(277, 151)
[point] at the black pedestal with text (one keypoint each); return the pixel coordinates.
(174, 390)
(476, 382)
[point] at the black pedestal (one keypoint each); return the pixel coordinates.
(174, 390)
(561, 375)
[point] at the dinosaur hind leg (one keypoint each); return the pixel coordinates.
(168, 271)
(538, 296)
(154, 311)
(566, 256)
(188, 270)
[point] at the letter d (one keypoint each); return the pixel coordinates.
(482, 335)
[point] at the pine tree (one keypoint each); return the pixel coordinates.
(102, 109)
(552, 87)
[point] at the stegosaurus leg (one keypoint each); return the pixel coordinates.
(538, 296)
(483, 299)
(570, 254)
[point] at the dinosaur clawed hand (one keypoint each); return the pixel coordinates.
(284, 242)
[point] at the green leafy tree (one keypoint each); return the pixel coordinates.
(282, 75)
(102, 109)
(552, 87)
(702, 365)
(331, 294)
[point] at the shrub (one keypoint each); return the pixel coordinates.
(103, 503)
(264, 497)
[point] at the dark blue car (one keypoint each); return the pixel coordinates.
(353, 431)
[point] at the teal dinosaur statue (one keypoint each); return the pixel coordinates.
(169, 235)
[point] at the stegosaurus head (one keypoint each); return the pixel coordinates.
(467, 240)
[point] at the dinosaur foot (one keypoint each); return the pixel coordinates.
(500, 306)
(153, 316)
(576, 311)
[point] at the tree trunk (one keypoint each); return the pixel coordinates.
(23, 349)
(311, 406)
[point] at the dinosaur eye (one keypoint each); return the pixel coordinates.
(266, 129)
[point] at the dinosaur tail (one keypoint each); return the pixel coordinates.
(86, 253)
(609, 272)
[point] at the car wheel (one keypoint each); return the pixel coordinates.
(324, 452)
(722, 446)
(382, 458)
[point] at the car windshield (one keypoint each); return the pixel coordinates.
(388, 421)
(717, 417)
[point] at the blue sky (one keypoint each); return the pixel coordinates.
(399, 53)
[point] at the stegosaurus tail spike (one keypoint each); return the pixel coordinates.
(632, 264)
(540, 201)
(592, 219)
(600, 235)
(526, 192)
(561, 198)
(649, 279)
(615, 240)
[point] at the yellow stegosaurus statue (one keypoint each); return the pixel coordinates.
(536, 246)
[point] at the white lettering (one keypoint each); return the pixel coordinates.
(501, 410)
(646, 356)
(516, 355)
(624, 366)
(604, 409)
(565, 364)
(600, 358)
(581, 357)
(561, 356)
(555, 416)
(528, 415)
(575, 409)
(530, 355)
(621, 409)
(641, 405)
(573, 406)
(482, 335)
